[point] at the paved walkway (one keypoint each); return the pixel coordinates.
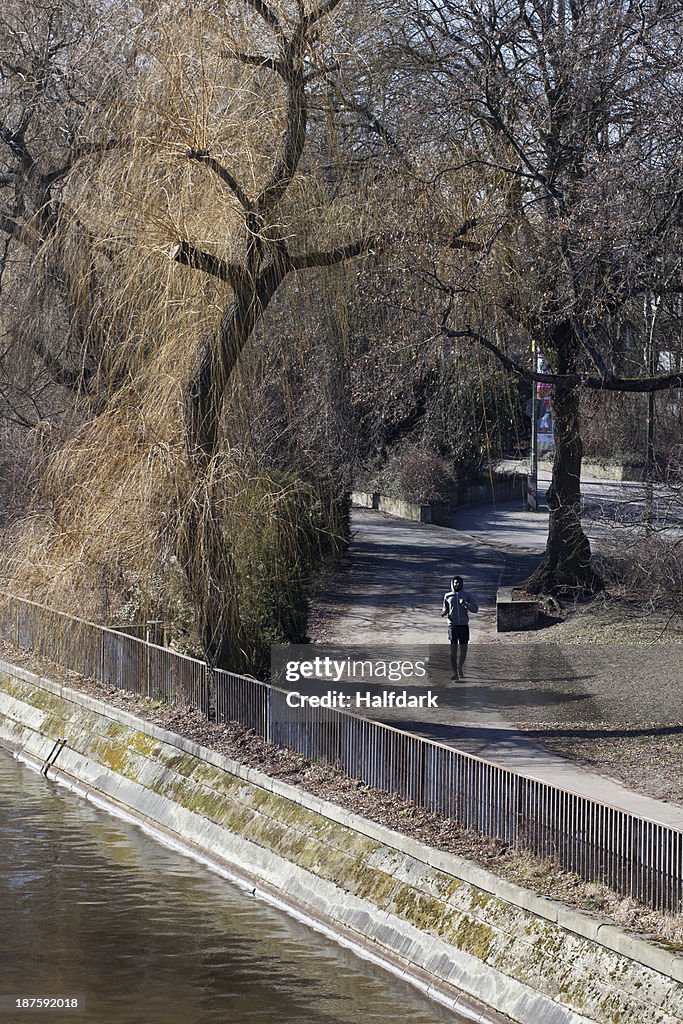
(607, 505)
(391, 596)
(398, 573)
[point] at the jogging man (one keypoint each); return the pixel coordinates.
(457, 604)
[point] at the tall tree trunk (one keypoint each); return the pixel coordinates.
(566, 565)
(207, 556)
(209, 570)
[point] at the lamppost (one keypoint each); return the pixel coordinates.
(532, 486)
(651, 303)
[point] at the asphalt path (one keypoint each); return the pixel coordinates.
(389, 599)
(607, 506)
(398, 573)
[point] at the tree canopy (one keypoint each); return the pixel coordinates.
(247, 246)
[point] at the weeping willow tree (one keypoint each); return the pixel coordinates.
(226, 181)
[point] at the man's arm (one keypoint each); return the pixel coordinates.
(471, 604)
(444, 607)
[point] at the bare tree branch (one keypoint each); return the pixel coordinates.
(267, 13)
(16, 142)
(295, 133)
(291, 69)
(340, 253)
(21, 232)
(321, 11)
(59, 373)
(458, 241)
(607, 382)
(380, 129)
(593, 353)
(259, 61)
(93, 149)
(225, 175)
(187, 255)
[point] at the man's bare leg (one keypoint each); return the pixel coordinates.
(461, 661)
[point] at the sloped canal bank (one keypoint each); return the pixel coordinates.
(443, 922)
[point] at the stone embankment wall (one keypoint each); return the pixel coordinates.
(486, 947)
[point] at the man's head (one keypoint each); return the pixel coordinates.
(456, 583)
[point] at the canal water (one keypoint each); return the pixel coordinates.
(91, 908)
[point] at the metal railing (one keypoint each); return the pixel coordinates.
(632, 855)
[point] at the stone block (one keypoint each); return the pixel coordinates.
(514, 615)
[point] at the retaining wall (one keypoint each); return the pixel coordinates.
(400, 507)
(626, 471)
(505, 487)
(466, 936)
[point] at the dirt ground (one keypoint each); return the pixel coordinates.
(638, 741)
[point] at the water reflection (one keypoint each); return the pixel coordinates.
(92, 907)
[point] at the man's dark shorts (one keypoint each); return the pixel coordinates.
(458, 634)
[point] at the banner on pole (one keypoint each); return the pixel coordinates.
(544, 411)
